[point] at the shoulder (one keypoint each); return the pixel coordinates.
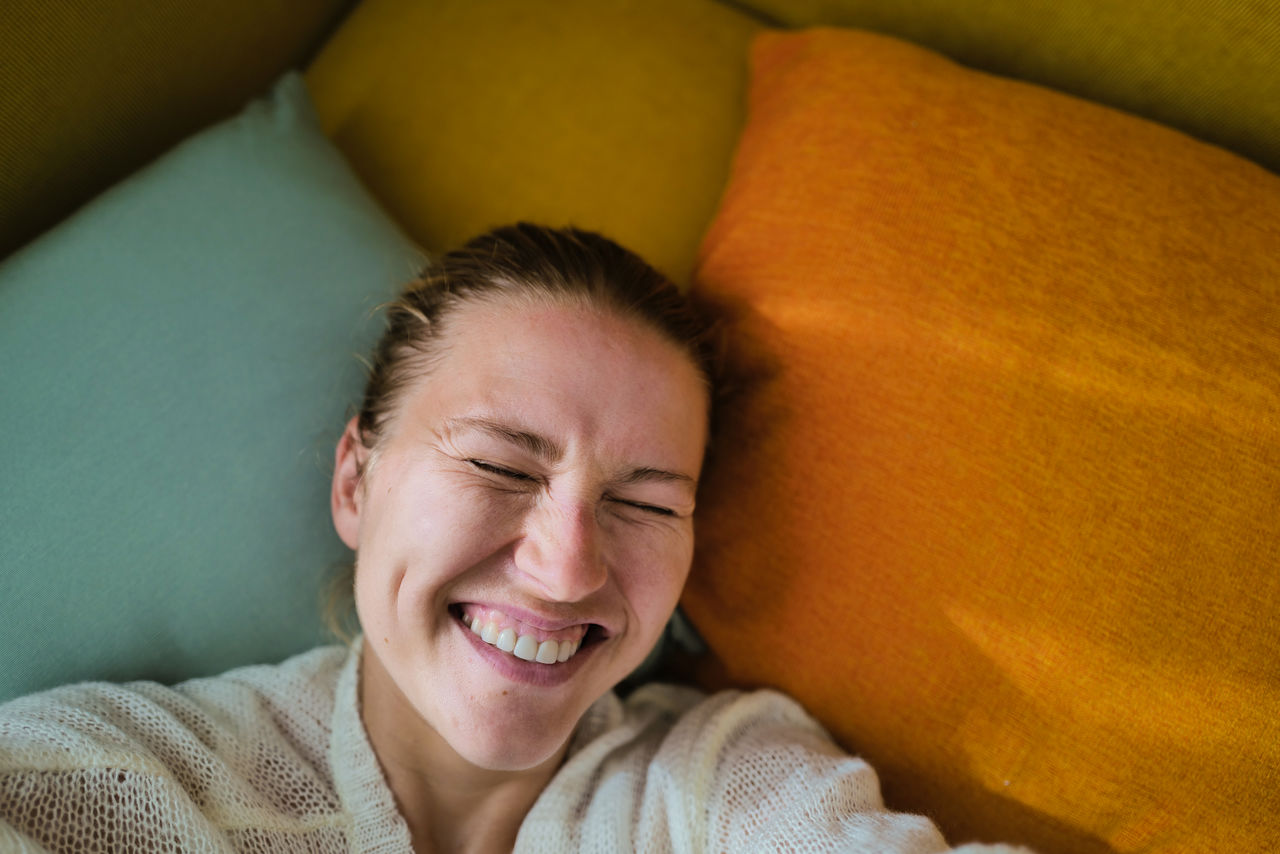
(296, 694)
(733, 770)
(760, 745)
(99, 719)
(668, 726)
(730, 716)
(674, 725)
(128, 764)
(202, 741)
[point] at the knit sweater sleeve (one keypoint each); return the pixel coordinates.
(673, 771)
(212, 765)
(15, 842)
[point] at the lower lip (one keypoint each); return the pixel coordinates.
(526, 672)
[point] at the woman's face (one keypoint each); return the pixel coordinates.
(536, 488)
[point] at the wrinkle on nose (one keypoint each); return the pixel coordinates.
(561, 551)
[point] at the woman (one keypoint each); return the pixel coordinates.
(518, 488)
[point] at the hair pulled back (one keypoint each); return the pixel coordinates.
(531, 263)
(521, 262)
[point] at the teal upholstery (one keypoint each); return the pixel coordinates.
(179, 359)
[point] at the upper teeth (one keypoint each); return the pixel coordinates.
(526, 647)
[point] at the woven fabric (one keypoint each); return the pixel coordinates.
(221, 292)
(275, 759)
(1207, 67)
(93, 90)
(611, 115)
(1002, 512)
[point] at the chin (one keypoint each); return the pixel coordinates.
(512, 731)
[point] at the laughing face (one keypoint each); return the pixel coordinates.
(523, 528)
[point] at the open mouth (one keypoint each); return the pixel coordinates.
(523, 641)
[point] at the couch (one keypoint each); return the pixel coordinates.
(995, 495)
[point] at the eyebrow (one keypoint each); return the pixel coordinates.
(647, 473)
(547, 450)
(538, 446)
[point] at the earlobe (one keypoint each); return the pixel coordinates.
(349, 461)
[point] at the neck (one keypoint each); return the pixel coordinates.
(450, 804)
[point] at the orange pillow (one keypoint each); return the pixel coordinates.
(1003, 513)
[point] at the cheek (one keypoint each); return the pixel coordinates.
(423, 533)
(443, 509)
(653, 574)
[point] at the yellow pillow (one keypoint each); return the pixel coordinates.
(1002, 509)
(1207, 67)
(611, 115)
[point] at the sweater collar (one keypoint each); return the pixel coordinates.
(376, 823)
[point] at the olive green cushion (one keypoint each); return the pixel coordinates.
(94, 89)
(1210, 68)
(179, 358)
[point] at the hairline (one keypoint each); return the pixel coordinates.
(532, 295)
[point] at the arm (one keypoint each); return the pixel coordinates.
(761, 774)
(18, 843)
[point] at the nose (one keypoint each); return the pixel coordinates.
(561, 551)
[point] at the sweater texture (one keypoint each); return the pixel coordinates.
(276, 759)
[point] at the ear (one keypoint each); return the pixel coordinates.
(350, 461)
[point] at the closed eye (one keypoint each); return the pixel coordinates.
(500, 471)
(512, 474)
(648, 508)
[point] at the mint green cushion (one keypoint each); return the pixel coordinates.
(178, 360)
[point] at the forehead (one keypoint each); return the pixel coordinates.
(577, 372)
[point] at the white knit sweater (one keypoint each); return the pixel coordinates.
(275, 759)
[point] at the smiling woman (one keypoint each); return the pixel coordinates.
(518, 488)
(512, 489)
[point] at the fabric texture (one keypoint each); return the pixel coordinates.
(997, 502)
(179, 360)
(1210, 68)
(275, 759)
(615, 116)
(94, 90)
